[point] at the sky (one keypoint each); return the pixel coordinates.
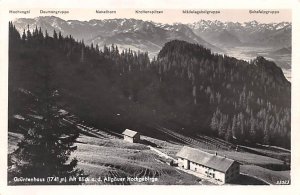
(169, 15)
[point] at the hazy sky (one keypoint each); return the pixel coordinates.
(169, 15)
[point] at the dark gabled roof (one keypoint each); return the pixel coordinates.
(130, 133)
(216, 162)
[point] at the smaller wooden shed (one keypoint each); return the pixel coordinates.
(131, 136)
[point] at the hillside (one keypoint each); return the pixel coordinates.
(229, 89)
(103, 154)
(186, 88)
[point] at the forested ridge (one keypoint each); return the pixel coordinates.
(186, 87)
(246, 101)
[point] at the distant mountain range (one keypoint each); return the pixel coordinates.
(248, 33)
(126, 33)
(150, 36)
(283, 51)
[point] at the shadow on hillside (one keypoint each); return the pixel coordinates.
(148, 143)
(247, 180)
(277, 167)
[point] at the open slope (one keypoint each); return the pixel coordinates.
(106, 154)
(116, 158)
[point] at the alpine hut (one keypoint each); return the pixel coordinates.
(131, 136)
(219, 168)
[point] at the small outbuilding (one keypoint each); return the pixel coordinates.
(219, 168)
(131, 136)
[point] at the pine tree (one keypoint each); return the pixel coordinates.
(252, 129)
(266, 132)
(46, 147)
(82, 55)
(228, 135)
(117, 50)
(55, 34)
(222, 126)
(60, 37)
(28, 33)
(24, 36)
(97, 48)
(46, 34)
(214, 122)
(240, 126)
(41, 36)
(234, 127)
(195, 94)
(35, 32)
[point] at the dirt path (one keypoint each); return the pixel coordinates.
(160, 153)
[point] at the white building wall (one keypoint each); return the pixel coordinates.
(219, 176)
(186, 164)
(198, 168)
(231, 174)
(180, 162)
(183, 163)
(207, 171)
(128, 139)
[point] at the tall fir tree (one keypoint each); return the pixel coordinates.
(228, 135)
(46, 147)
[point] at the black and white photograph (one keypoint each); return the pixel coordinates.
(149, 97)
